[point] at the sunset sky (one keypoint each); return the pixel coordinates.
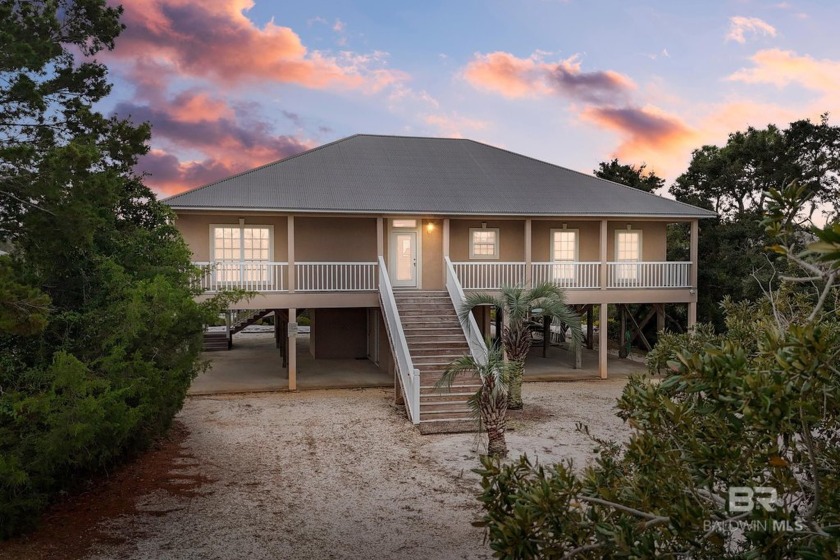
(232, 84)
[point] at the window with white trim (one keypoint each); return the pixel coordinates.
(484, 243)
(628, 249)
(241, 252)
(564, 249)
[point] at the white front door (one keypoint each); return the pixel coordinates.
(403, 265)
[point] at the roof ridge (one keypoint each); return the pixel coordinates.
(593, 176)
(263, 166)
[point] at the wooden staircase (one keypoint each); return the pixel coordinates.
(435, 338)
(218, 340)
(215, 341)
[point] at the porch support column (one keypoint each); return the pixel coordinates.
(290, 238)
(603, 341)
(277, 328)
(446, 237)
(603, 272)
(660, 317)
(528, 271)
(445, 242)
(380, 237)
(622, 331)
(292, 345)
(692, 306)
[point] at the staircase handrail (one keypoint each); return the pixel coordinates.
(409, 376)
(478, 348)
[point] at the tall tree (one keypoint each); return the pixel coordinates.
(630, 175)
(99, 332)
(733, 180)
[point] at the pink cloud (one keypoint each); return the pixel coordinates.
(229, 139)
(454, 125)
(781, 68)
(512, 76)
(216, 41)
(648, 135)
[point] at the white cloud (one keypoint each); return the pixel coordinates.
(739, 26)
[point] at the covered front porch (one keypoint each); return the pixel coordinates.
(557, 365)
(255, 364)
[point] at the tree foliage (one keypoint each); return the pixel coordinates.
(757, 406)
(734, 180)
(99, 331)
(630, 175)
(490, 402)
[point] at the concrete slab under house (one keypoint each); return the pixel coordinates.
(379, 238)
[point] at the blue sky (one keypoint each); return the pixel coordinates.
(232, 84)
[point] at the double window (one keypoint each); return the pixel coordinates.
(241, 252)
(484, 243)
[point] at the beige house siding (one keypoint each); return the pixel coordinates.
(329, 239)
(338, 333)
(432, 250)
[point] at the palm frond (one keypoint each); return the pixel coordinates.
(476, 300)
(464, 364)
(546, 290)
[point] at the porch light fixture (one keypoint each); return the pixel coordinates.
(430, 227)
(629, 227)
(483, 225)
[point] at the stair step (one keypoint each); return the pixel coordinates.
(429, 406)
(445, 352)
(430, 335)
(416, 330)
(430, 313)
(436, 360)
(429, 378)
(463, 414)
(447, 426)
(441, 342)
(443, 396)
(431, 323)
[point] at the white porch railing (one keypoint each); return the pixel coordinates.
(335, 276)
(409, 376)
(478, 348)
(489, 275)
(648, 274)
(567, 275)
(253, 276)
(574, 275)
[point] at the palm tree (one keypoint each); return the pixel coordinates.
(490, 402)
(518, 305)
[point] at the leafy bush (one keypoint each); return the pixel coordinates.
(761, 412)
(755, 410)
(99, 330)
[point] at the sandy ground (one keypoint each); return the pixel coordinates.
(332, 474)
